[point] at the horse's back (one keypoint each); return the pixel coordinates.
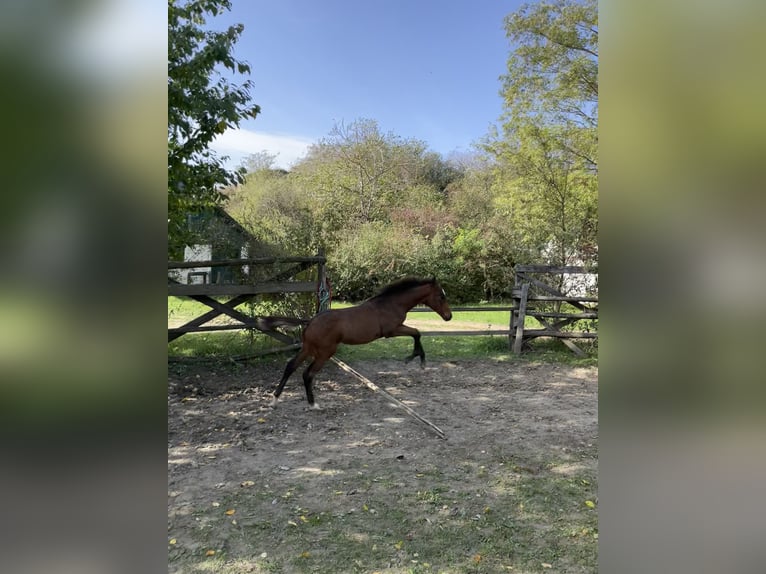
(352, 325)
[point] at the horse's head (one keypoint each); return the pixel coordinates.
(437, 300)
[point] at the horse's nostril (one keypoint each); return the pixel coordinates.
(448, 317)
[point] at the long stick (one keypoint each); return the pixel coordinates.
(390, 397)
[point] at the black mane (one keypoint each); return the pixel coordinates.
(403, 285)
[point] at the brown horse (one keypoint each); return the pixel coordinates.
(381, 316)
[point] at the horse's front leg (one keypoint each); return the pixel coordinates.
(417, 351)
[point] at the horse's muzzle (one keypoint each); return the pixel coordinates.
(447, 316)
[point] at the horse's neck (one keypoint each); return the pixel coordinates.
(414, 297)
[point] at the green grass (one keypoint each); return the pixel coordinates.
(480, 318)
(185, 308)
(220, 346)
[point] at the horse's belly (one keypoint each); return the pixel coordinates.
(359, 336)
(341, 327)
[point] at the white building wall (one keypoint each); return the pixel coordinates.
(198, 274)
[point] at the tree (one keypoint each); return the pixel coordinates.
(358, 174)
(202, 104)
(548, 141)
(259, 161)
(552, 77)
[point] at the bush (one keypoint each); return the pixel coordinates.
(376, 254)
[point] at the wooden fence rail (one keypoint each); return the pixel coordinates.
(317, 259)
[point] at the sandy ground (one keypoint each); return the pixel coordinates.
(222, 432)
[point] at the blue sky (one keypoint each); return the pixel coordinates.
(423, 69)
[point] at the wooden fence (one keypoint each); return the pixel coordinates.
(549, 305)
(538, 299)
(532, 297)
(245, 290)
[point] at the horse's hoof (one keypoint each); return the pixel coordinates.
(273, 403)
(315, 407)
(408, 359)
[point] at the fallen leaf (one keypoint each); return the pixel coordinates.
(477, 558)
(365, 507)
(399, 545)
(230, 512)
(305, 554)
(304, 519)
(546, 565)
(590, 504)
(291, 523)
(210, 553)
(173, 541)
(247, 483)
(261, 420)
(216, 504)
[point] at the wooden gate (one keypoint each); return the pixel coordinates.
(555, 308)
(244, 290)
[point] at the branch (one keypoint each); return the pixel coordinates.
(370, 385)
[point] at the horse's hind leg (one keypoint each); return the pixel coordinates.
(308, 377)
(293, 364)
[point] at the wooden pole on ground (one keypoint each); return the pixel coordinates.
(369, 384)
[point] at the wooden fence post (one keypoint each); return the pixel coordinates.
(520, 319)
(323, 291)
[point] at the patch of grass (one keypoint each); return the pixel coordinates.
(185, 307)
(223, 345)
(220, 344)
(480, 318)
(554, 351)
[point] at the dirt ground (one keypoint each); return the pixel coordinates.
(247, 483)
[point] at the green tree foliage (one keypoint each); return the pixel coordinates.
(548, 141)
(277, 211)
(358, 174)
(202, 104)
(552, 74)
